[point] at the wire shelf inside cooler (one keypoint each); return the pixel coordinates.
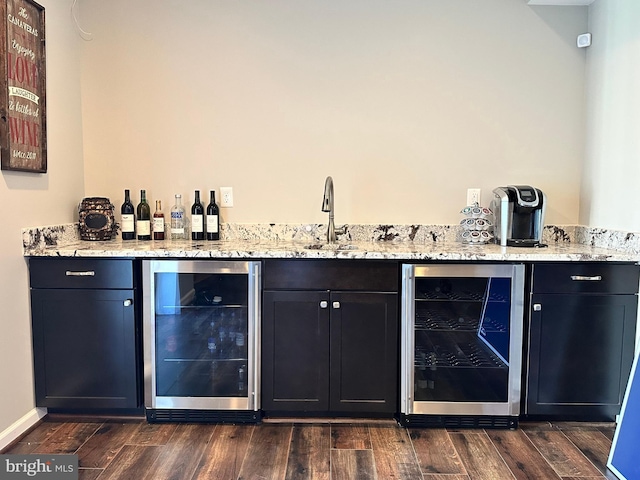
(194, 306)
(444, 351)
(450, 296)
(444, 317)
(440, 318)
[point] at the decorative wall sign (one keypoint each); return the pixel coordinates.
(23, 132)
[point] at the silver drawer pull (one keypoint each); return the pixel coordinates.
(89, 273)
(537, 307)
(324, 304)
(128, 302)
(336, 304)
(582, 278)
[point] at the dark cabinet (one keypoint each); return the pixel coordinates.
(581, 339)
(84, 333)
(330, 350)
(295, 351)
(364, 338)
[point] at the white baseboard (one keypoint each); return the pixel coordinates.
(20, 426)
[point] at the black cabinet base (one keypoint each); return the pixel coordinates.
(574, 416)
(325, 415)
(96, 413)
(458, 421)
(202, 416)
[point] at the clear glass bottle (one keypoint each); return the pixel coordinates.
(178, 220)
(143, 225)
(158, 222)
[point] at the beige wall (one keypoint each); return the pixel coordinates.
(406, 104)
(611, 185)
(35, 199)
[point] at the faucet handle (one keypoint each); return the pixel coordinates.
(341, 230)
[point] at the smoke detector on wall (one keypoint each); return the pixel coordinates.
(584, 40)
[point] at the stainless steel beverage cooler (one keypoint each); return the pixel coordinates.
(461, 345)
(201, 340)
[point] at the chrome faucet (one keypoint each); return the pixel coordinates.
(327, 206)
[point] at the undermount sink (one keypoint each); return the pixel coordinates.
(330, 246)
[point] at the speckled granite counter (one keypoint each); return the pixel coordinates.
(413, 243)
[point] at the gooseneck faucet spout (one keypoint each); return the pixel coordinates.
(327, 206)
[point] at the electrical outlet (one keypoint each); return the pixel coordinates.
(226, 196)
(473, 196)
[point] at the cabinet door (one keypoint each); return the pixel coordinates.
(84, 348)
(581, 351)
(364, 352)
(295, 351)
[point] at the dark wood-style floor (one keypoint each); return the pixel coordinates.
(132, 449)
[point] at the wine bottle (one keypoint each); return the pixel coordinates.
(144, 217)
(178, 227)
(213, 218)
(197, 218)
(128, 218)
(158, 222)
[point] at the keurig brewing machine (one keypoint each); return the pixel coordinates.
(519, 215)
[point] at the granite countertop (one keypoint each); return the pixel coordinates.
(439, 247)
(393, 242)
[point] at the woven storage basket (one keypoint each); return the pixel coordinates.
(96, 219)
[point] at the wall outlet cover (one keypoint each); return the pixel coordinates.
(473, 196)
(226, 197)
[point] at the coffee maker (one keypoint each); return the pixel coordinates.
(519, 215)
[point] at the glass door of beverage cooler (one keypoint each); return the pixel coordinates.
(462, 340)
(201, 334)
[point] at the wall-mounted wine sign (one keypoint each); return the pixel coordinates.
(23, 132)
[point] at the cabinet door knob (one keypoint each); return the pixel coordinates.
(537, 307)
(324, 304)
(336, 304)
(128, 302)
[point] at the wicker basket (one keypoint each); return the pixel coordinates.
(96, 219)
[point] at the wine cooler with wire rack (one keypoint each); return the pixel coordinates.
(201, 337)
(461, 345)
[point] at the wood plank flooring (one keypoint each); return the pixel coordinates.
(111, 449)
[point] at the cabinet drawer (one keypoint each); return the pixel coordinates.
(80, 273)
(362, 275)
(585, 277)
